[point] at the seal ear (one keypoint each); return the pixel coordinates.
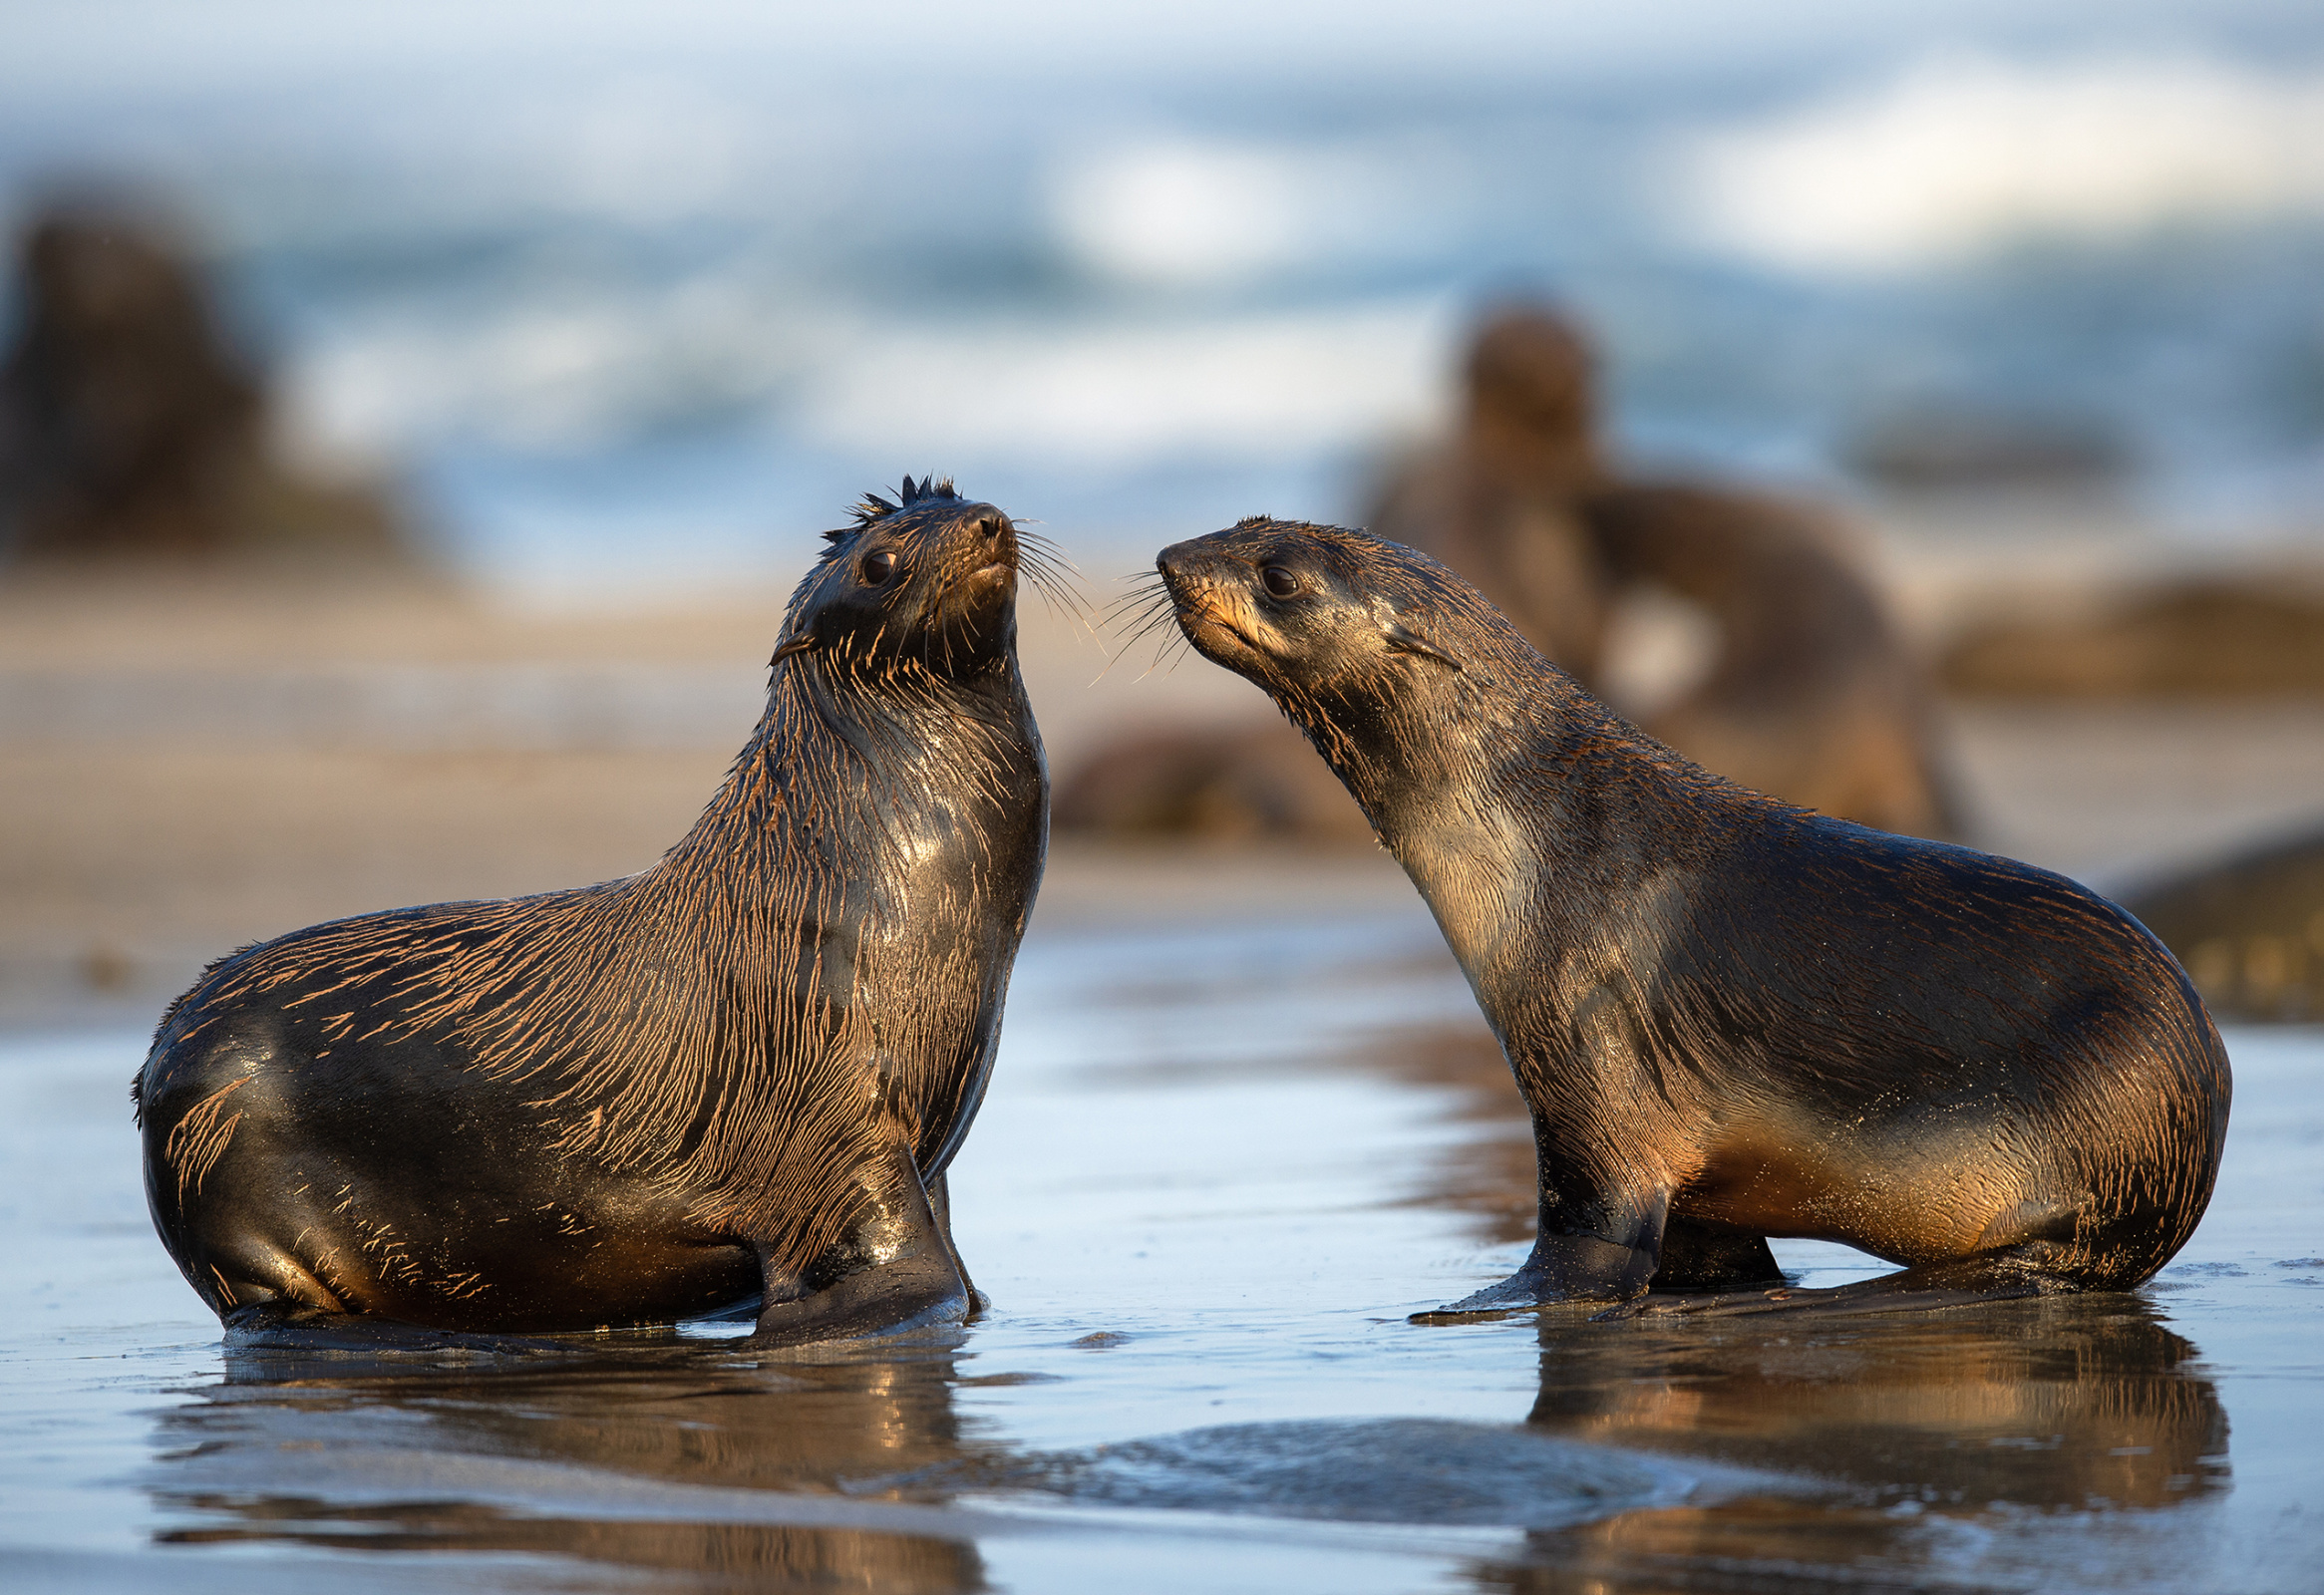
(1402, 639)
(797, 645)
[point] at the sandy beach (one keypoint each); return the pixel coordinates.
(189, 767)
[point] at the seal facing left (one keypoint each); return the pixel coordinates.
(1730, 1018)
(740, 1073)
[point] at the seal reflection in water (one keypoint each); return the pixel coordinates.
(549, 1452)
(1730, 1018)
(737, 1074)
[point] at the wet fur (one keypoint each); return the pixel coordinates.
(1732, 1017)
(739, 1073)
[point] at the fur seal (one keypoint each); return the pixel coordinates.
(1730, 1018)
(1503, 501)
(1813, 696)
(740, 1072)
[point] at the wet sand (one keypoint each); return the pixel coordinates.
(1245, 1120)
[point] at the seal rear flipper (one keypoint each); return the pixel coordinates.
(891, 1272)
(1962, 1282)
(1709, 1257)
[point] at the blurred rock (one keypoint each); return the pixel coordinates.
(1942, 451)
(1812, 695)
(1241, 783)
(130, 429)
(2249, 931)
(2198, 637)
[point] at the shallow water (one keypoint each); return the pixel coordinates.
(1219, 1167)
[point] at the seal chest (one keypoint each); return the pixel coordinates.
(1730, 1018)
(740, 1074)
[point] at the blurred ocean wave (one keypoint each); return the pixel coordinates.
(1965, 155)
(649, 308)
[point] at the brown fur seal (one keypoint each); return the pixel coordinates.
(1730, 1018)
(1813, 697)
(1501, 501)
(737, 1074)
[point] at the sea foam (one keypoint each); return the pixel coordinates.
(1961, 154)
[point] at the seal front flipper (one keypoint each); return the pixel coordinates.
(940, 1191)
(1563, 1268)
(892, 1270)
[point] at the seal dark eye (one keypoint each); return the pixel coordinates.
(878, 565)
(1281, 583)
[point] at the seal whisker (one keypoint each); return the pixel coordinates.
(1145, 609)
(1155, 617)
(1168, 654)
(1061, 584)
(1143, 589)
(1055, 578)
(1165, 641)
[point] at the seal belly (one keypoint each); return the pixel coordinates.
(431, 1242)
(1913, 1187)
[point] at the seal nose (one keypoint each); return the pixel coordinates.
(990, 526)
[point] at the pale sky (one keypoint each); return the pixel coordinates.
(52, 52)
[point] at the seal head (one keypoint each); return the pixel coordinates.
(1297, 605)
(931, 580)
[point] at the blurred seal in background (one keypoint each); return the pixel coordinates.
(1810, 694)
(1811, 697)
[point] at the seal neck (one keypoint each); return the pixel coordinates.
(850, 764)
(1509, 795)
